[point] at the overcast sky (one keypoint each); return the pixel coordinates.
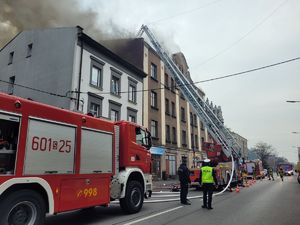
(217, 37)
(227, 36)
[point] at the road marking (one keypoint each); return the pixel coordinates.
(148, 217)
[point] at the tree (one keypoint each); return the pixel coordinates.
(263, 151)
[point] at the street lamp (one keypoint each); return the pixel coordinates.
(289, 101)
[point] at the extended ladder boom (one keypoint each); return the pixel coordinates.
(214, 126)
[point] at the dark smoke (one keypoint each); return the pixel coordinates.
(19, 15)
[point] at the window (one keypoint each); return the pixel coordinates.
(11, 85)
(173, 110)
(195, 120)
(29, 50)
(132, 84)
(153, 99)
(131, 114)
(95, 104)
(154, 128)
(114, 110)
(192, 141)
(131, 118)
(183, 138)
(167, 107)
(141, 137)
(11, 58)
(96, 77)
(115, 85)
(132, 93)
(201, 125)
(182, 114)
(172, 85)
(166, 81)
(196, 141)
(114, 115)
(174, 135)
(95, 109)
(191, 119)
(168, 134)
(153, 71)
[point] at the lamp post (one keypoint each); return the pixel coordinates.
(292, 101)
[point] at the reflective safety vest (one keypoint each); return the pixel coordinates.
(207, 176)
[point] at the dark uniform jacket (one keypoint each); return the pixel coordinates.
(184, 174)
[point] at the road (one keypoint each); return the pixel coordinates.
(264, 203)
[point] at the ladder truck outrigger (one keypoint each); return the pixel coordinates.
(214, 126)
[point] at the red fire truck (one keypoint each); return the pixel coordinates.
(55, 160)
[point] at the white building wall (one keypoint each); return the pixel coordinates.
(105, 93)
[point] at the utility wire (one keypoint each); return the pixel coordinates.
(244, 36)
(164, 86)
(35, 89)
(184, 12)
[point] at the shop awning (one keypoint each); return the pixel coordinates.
(157, 150)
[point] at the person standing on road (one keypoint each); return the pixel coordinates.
(207, 180)
(281, 173)
(184, 178)
(270, 173)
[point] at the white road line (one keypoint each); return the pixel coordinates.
(163, 196)
(148, 217)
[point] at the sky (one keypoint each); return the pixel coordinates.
(217, 37)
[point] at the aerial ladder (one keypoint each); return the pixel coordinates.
(210, 120)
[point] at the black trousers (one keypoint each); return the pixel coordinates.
(183, 192)
(207, 194)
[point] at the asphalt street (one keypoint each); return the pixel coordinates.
(264, 203)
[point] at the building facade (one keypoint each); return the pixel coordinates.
(243, 143)
(176, 130)
(65, 67)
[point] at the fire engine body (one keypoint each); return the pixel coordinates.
(255, 165)
(221, 164)
(60, 160)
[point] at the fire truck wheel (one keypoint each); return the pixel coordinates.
(134, 197)
(23, 207)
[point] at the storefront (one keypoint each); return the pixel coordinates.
(156, 157)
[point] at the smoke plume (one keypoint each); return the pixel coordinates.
(19, 15)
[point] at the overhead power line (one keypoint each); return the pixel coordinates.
(244, 36)
(248, 71)
(184, 12)
(160, 88)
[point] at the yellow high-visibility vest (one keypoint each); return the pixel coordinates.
(207, 177)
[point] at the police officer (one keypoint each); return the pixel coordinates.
(184, 178)
(207, 181)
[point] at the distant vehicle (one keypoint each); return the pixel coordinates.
(265, 171)
(287, 168)
(256, 167)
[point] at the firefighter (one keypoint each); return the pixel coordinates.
(184, 178)
(270, 173)
(281, 173)
(207, 180)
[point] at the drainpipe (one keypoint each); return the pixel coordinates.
(80, 67)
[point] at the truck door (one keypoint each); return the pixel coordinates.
(91, 188)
